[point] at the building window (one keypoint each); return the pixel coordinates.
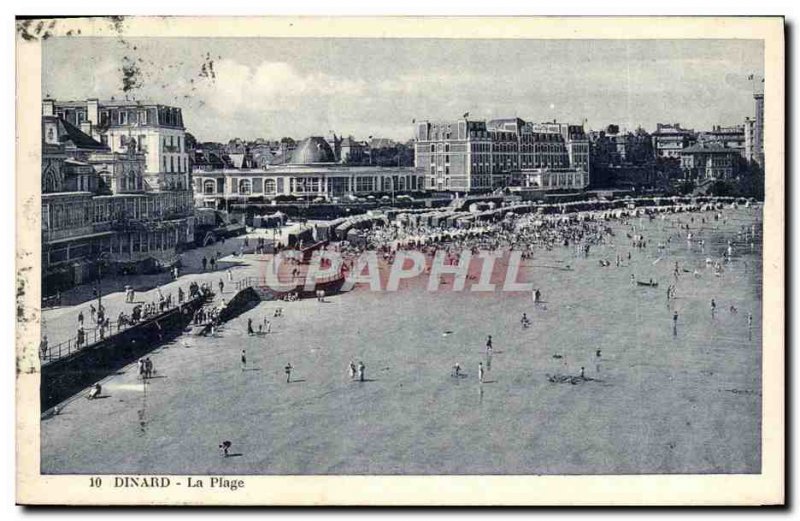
(208, 186)
(244, 186)
(123, 117)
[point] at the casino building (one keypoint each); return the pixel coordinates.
(311, 172)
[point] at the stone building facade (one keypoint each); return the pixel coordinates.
(99, 210)
(155, 130)
(670, 139)
(729, 137)
(710, 162)
(754, 132)
(466, 155)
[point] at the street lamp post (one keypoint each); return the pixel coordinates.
(101, 258)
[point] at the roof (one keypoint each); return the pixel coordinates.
(318, 169)
(381, 142)
(111, 103)
(710, 148)
(69, 134)
(72, 161)
(503, 124)
(672, 131)
(311, 150)
(238, 159)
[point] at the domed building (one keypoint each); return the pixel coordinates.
(309, 171)
(312, 150)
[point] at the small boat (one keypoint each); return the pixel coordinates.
(650, 284)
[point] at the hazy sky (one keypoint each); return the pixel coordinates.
(266, 87)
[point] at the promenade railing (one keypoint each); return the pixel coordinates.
(96, 334)
(250, 282)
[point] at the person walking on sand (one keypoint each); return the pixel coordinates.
(489, 344)
(361, 369)
(713, 308)
(480, 372)
(225, 446)
(288, 371)
(250, 327)
(352, 369)
(244, 359)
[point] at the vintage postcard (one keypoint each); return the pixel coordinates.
(400, 261)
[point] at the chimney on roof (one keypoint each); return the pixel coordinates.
(48, 107)
(86, 128)
(92, 108)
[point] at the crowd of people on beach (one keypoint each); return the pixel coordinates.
(577, 235)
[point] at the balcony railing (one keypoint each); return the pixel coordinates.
(53, 235)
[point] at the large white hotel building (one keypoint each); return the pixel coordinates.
(467, 155)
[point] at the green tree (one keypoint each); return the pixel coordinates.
(191, 141)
